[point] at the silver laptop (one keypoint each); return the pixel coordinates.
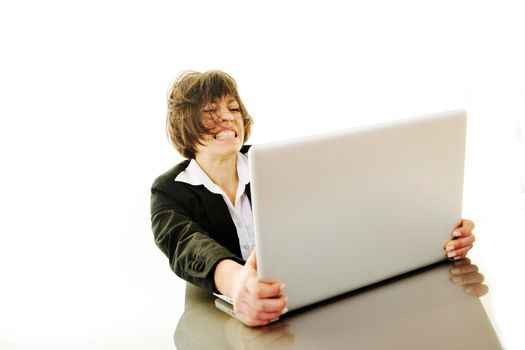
(343, 210)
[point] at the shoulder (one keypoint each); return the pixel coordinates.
(166, 181)
(168, 194)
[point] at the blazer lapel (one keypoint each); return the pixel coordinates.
(220, 219)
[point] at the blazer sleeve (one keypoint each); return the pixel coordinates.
(193, 254)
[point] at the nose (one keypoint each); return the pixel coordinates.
(226, 115)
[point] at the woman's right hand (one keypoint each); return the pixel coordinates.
(256, 303)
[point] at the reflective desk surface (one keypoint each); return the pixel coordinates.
(426, 309)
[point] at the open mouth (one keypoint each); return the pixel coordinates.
(225, 135)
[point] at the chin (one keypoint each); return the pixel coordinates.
(229, 149)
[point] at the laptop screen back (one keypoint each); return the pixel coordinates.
(389, 195)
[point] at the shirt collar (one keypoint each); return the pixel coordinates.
(243, 169)
(194, 175)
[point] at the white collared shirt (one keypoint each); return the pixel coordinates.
(241, 213)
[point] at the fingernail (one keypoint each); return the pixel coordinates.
(275, 319)
(456, 234)
(451, 254)
(450, 247)
(458, 257)
(285, 310)
(468, 289)
(456, 279)
(454, 270)
(282, 287)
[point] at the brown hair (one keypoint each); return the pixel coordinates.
(186, 97)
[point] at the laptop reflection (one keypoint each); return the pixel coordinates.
(436, 307)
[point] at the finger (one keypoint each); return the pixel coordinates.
(246, 315)
(468, 278)
(262, 316)
(467, 225)
(459, 253)
(460, 270)
(265, 308)
(263, 290)
(465, 229)
(252, 314)
(476, 289)
(270, 305)
(252, 260)
(460, 242)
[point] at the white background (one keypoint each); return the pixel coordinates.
(83, 102)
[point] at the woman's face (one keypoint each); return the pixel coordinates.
(224, 118)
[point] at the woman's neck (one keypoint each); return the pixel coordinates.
(222, 171)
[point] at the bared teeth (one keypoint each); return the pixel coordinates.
(225, 135)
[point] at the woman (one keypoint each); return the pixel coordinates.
(200, 209)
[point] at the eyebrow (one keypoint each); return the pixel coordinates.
(214, 102)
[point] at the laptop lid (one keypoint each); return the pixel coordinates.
(388, 194)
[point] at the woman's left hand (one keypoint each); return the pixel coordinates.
(458, 247)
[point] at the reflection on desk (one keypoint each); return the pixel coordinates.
(432, 308)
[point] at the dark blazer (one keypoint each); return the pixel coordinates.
(193, 227)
